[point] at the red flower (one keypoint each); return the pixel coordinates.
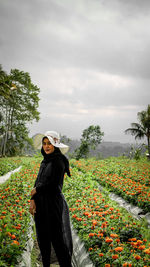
(115, 256)
(101, 254)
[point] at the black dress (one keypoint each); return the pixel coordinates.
(52, 213)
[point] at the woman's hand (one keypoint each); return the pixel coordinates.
(32, 208)
(33, 192)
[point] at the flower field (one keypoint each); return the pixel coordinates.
(127, 178)
(111, 236)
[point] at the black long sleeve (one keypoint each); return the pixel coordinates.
(50, 177)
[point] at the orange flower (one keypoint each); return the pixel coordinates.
(101, 234)
(115, 256)
(113, 235)
(118, 249)
(108, 240)
(137, 257)
(147, 251)
(101, 254)
(141, 247)
(132, 239)
(3, 212)
(79, 219)
(139, 242)
(15, 242)
(104, 225)
(91, 234)
(2, 217)
(107, 265)
(94, 222)
(17, 227)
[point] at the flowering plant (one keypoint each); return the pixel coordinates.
(9, 164)
(127, 178)
(110, 234)
(14, 215)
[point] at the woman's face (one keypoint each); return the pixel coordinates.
(47, 146)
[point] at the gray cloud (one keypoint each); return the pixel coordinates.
(90, 59)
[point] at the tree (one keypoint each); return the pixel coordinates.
(4, 84)
(91, 137)
(141, 129)
(65, 139)
(19, 103)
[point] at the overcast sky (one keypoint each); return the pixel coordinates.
(90, 58)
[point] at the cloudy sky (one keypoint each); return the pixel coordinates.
(90, 58)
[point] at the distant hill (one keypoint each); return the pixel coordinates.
(104, 150)
(112, 149)
(37, 140)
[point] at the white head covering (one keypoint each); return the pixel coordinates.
(54, 138)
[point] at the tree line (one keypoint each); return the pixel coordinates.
(18, 106)
(92, 136)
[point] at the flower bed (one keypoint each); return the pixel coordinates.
(14, 214)
(9, 164)
(129, 179)
(110, 234)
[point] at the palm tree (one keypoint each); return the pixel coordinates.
(142, 129)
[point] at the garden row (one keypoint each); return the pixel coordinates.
(14, 212)
(127, 178)
(9, 164)
(111, 236)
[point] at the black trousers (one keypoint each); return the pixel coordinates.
(50, 230)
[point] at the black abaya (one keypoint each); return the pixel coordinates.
(52, 213)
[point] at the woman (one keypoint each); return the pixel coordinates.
(48, 204)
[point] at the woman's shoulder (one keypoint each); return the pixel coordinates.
(59, 159)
